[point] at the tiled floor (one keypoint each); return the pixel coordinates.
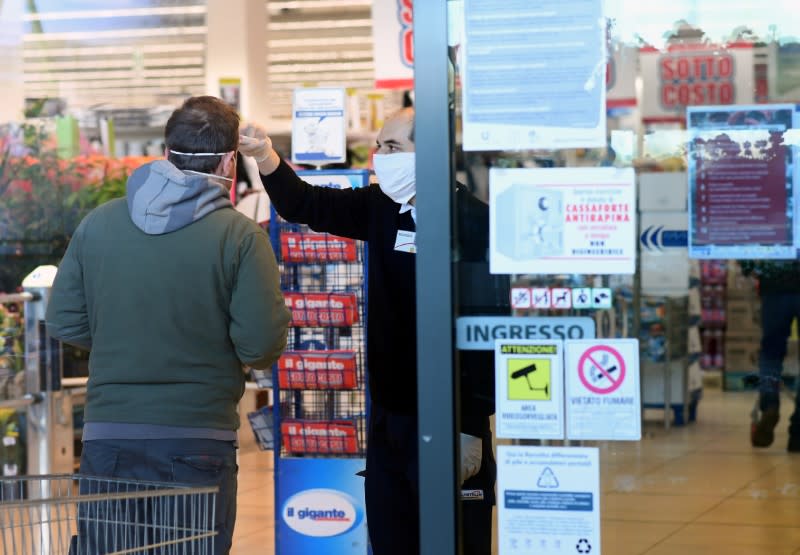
(695, 490)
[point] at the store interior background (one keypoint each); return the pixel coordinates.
(692, 485)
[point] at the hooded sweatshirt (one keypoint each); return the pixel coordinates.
(173, 291)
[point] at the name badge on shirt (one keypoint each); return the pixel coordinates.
(472, 495)
(406, 241)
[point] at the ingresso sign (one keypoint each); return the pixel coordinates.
(478, 333)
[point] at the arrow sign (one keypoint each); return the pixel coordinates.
(657, 238)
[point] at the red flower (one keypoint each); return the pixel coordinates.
(23, 185)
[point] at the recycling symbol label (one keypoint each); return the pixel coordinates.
(583, 546)
(548, 479)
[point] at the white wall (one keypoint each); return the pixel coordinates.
(237, 49)
(13, 102)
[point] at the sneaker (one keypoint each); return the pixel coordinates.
(762, 433)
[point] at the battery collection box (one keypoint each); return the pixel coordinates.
(316, 247)
(320, 437)
(322, 309)
(318, 370)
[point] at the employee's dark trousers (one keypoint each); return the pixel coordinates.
(198, 462)
(392, 485)
(777, 313)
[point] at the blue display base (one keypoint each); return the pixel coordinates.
(679, 409)
(320, 507)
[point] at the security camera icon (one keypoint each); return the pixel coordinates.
(526, 373)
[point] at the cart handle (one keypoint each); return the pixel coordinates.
(25, 401)
(7, 298)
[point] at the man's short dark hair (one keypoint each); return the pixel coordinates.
(201, 124)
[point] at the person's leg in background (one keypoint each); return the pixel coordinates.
(391, 482)
(794, 422)
(777, 313)
(197, 462)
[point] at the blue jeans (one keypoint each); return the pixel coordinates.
(201, 462)
(777, 313)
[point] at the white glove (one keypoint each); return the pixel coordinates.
(254, 141)
(471, 456)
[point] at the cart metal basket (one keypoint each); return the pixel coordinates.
(82, 515)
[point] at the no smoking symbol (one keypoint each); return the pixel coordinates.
(601, 369)
(583, 546)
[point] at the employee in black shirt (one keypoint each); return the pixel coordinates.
(384, 215)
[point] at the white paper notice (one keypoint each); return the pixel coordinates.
(665, 254)
(529, 385)
(318, 126)
(548, 500)
(602, 384)
(562, 221)
(534, 74)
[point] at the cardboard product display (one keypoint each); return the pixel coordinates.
(739, 286)
(744, 316)
(741, 352)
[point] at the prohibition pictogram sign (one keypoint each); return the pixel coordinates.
(601, 369)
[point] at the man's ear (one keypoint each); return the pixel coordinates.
(227, 163)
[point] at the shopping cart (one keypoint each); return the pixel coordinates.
(81, 515)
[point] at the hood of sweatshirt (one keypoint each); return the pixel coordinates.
(162, 198)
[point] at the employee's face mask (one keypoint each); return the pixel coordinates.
(397, 175)
(230, 181)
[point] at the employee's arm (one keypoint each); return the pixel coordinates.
(343, 212)
(259, 317)
(67, 317)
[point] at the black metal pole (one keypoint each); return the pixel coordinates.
(437, 383)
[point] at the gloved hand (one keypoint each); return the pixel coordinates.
(254, 141)
(471, 456)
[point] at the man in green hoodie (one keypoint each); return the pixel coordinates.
(173, 291)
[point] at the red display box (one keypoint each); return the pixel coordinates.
(320, 437)
(322, 309)
(317, 370)
(316, 247)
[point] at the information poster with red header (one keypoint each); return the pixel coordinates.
(562, 221)
(743, 182)
(695, 75)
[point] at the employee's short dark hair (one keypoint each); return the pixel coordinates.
(201, 124)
